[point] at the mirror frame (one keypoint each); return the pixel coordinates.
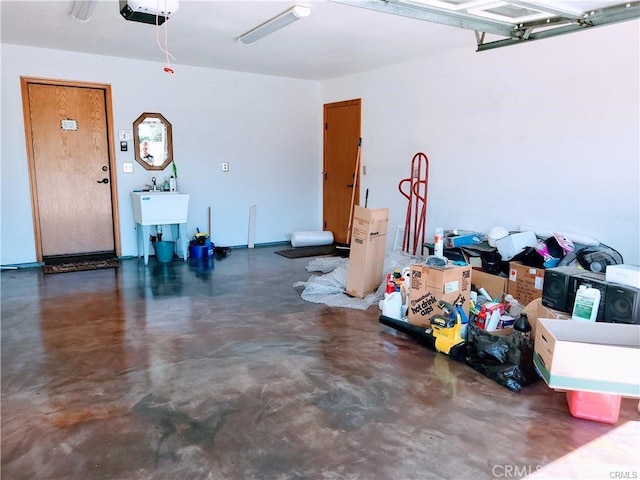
(169, 141)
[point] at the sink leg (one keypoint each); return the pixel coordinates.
(145, 242)
(183, 240)
(139, 238)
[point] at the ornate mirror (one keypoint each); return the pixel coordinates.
(152, 141)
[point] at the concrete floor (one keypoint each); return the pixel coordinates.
(178, 371)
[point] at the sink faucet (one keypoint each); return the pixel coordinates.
(155, 187)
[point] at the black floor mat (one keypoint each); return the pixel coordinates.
(80, 266)
(301, 252)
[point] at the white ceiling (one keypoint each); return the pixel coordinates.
(335, 40)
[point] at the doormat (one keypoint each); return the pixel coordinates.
(301, 252)
(80, 266)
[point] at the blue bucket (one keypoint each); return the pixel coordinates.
(164, 251)
(201, 251)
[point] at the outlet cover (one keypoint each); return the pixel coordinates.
(125, 135)
(127, 167)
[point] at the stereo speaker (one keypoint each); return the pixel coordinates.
(558, 287)
(622, 305)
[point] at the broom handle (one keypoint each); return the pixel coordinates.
(353, 192)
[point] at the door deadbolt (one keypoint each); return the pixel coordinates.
(104, 168)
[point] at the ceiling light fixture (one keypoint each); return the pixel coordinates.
(276, 23)
(83, 10)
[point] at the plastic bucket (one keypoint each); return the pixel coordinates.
(164, 251)
(201, 251)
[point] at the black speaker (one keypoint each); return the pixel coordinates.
(557, 287)
(592, 280)
(622, 305)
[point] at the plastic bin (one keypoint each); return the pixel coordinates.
(164, 251)
(201, 251)
(600, 407)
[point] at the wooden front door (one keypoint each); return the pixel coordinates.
(341, 137)
(71, 167)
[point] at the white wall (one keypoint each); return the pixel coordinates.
(269, 129)
(545, 134)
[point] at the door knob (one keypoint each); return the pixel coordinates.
(104, 180)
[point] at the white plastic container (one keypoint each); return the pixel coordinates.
(585, 307)
(392, 305)
(492, 324)
(438, 243)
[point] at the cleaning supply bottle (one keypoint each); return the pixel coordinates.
(491, 323)
(438, 243)
(464, 319)
(481, 318)
(392, 305)
(585, 307)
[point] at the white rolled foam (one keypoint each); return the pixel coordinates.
(311, 239)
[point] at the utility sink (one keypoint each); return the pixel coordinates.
(160, 208)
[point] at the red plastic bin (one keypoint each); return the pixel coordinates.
(600, 407)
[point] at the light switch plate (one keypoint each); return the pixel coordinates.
(127, 167)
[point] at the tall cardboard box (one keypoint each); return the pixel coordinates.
(366, 255)
(525, 283)
(429, 284)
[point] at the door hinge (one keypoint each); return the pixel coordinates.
(325, 226)
(326, 126)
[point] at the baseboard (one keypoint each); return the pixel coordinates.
(258, 245)
(19, 266)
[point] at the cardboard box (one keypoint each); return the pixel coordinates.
(589, 356)
(623, 274)
(536, 310)
(429, 284)
(511, 245)
(366, 254)
(525, 283)
(493, 284)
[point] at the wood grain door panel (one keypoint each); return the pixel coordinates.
(75, 209)
(341, 136)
